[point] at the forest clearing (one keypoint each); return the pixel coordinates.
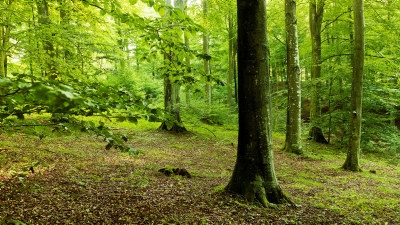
(77, 181)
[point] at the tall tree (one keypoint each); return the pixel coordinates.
(254, 174)
(353, 152)
(5, 24)
(171, 94)
(231, 58)
(44, 21)
(316, 14)
(206, 51)
(293, 124)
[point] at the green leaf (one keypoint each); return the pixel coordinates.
(161, 11)
(133, 2)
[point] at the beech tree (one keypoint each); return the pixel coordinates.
(316, 14)
(353, 152)
(254, 173)
(293, 125)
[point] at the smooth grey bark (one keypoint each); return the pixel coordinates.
(254, 173)
(293, 125)
(353, 153)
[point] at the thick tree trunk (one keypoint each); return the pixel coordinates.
(315, 18)
(254, 174)
(353, 153)
(293, 125)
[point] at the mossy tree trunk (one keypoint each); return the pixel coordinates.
(315, 17)
(293, 125)
(353, 152)
(254, 174)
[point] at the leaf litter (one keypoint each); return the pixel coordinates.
(79, 182)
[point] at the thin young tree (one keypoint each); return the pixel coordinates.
(171, 95)
(254, 173)
(293, 125)
(353, 153)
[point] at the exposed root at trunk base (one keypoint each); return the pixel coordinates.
(269, 195)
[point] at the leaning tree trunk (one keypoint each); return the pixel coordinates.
(254, 174)
(353, 152)
(293, 125)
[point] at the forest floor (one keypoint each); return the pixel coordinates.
(77, 181)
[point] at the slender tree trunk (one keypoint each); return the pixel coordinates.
(315, 18)
(230, 60)
(235, 82)
(3, 52)
(66, 54)
(187, 59)
(5, 39)
(171, 96)
(254, 174)
(353, 153)
(206, 61)
(48, 47)
(293, 126)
